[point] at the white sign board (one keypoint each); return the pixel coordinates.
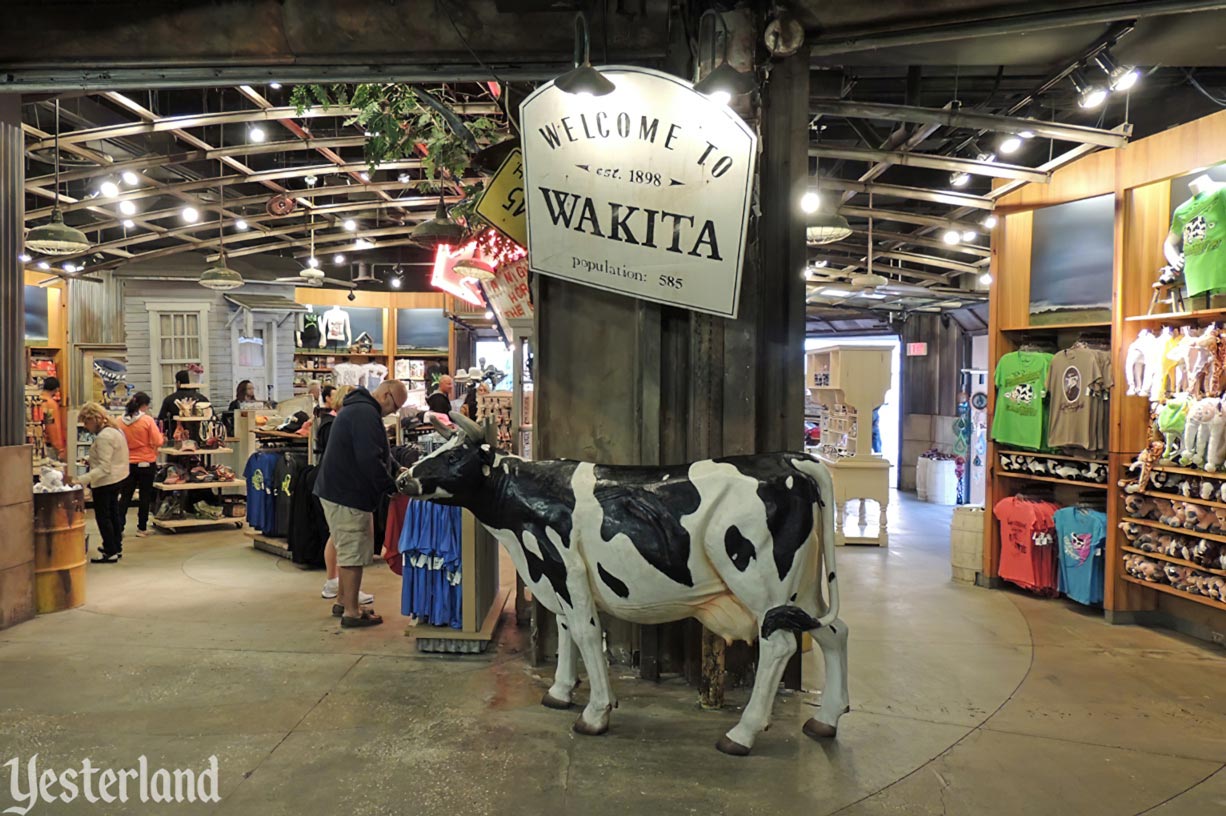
(644, 191)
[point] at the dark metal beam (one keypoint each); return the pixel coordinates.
(951, 163)
(968, 119)
(1033, 18)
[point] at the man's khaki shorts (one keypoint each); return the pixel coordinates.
(353, 533)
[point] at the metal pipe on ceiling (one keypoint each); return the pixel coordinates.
(952, 163)
(951, 222)
(916, 193)
(968, 119)
(1049, 16)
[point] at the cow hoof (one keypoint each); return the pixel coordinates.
(731, 747)
(549, 701)
(585, 728)
(819, 730)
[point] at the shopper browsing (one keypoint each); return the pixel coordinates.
(353, 478)
(440, 401)
(144, 439)
(108, 468)
(54, 431)
(170, 410)
(331, 586)
(244, 393)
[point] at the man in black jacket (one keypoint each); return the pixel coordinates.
(354, 475)
(169, 411)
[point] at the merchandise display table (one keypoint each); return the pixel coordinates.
(860, 477)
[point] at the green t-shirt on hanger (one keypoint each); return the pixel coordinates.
(1021, 385)
(1201, 221)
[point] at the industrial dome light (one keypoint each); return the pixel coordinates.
(826, 228)
(438, 230)
(56, 237)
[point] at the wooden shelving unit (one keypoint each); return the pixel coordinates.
(1172, 559)
(1139, 179)
(199, 485)
(1034, 477)
(200, 452)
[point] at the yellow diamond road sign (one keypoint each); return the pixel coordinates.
(502, 203)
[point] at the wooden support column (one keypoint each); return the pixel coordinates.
(12, 278)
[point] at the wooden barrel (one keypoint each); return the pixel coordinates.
(59, 550)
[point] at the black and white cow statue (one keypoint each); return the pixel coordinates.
(732, 542)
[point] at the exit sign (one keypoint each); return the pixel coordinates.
(917, 349)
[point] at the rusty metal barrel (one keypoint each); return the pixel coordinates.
(59, 551)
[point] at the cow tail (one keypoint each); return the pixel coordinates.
(825, 497)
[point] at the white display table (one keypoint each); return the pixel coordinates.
(850, 382)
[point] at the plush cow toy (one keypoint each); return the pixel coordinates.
(732, 542)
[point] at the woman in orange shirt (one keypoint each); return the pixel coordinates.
(144, 439)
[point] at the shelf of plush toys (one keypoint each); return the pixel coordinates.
(1053, 468)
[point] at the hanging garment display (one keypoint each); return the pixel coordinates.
(349, 374)
(1201, 224)
(1021, 385)
(1082, 534)
(261, 498)
(1079, 383)
(430, 544)
(1027, 536)
(308, 529)
(373, 375)
(336, 329)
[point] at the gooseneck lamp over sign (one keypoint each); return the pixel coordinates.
(56, 237)
(723, 82)
(583, 79)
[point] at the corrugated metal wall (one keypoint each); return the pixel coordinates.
(95, 310)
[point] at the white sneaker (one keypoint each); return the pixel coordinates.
(332, 589)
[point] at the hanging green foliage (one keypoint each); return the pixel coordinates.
(397, 118)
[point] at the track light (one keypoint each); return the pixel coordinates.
(240, 225)
(128, 223)
(810, 201)
(1119, 77)
(190, 214)
(1009, 144)
(959, 179)
(127, 207)
(108, 189)
(130, 178)
(276, 86)
(256, 134)
(986, 278)
(338, 259)
(364, 176)
(362, 243)
(968, 236)
(583, 80)
(489, 315)
(395, 281)
(990, 222)
(350, 225)
(310, 180)
(404, 178)
(1088, 96)
(351, 297)
(951, 237)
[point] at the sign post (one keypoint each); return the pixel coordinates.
(645, 191)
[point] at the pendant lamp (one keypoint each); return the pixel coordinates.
(438, 230)
(826, 228)
(583, 79)
(723, 80)
(219, 277)
(475, 269)
(57, 238)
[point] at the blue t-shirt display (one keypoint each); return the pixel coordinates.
(1082, 536)
(430, 543)
(261, 497)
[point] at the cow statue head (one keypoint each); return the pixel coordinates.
(456, 469)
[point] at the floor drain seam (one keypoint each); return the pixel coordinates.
(1191, 787)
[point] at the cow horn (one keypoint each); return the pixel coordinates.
(471, 429)
(442, 429)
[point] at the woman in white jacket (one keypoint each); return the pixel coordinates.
(108, 468)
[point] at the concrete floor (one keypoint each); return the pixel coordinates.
(964, 701)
